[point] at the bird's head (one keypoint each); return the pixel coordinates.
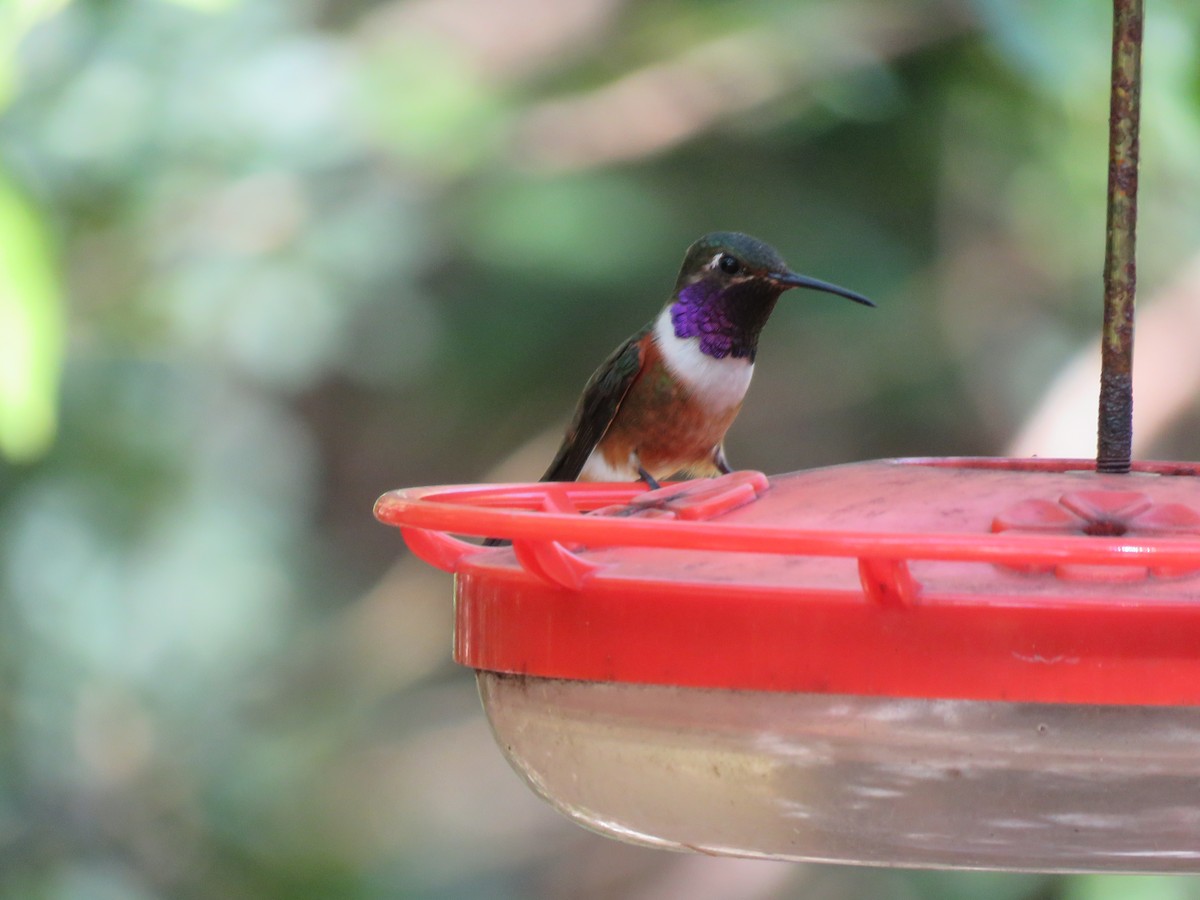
(727, 288)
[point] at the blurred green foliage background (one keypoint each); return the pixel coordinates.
(261, 260)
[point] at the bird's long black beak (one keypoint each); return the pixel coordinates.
(791, 279)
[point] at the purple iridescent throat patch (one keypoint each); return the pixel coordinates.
(700, 312)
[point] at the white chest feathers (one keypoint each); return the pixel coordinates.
(717, 383)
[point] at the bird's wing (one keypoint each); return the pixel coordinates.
(599, 404)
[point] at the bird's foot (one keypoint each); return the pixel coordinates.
(650, 480)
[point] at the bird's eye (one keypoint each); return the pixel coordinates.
(729, 265)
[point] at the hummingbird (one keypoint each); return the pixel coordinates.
(661, 403)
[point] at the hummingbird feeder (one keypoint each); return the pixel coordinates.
(944, 662)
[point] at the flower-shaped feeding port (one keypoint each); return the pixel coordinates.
(1101, 514)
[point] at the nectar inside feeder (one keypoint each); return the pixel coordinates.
(978, 663)
(933, 662)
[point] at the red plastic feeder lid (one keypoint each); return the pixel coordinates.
(984, 579)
